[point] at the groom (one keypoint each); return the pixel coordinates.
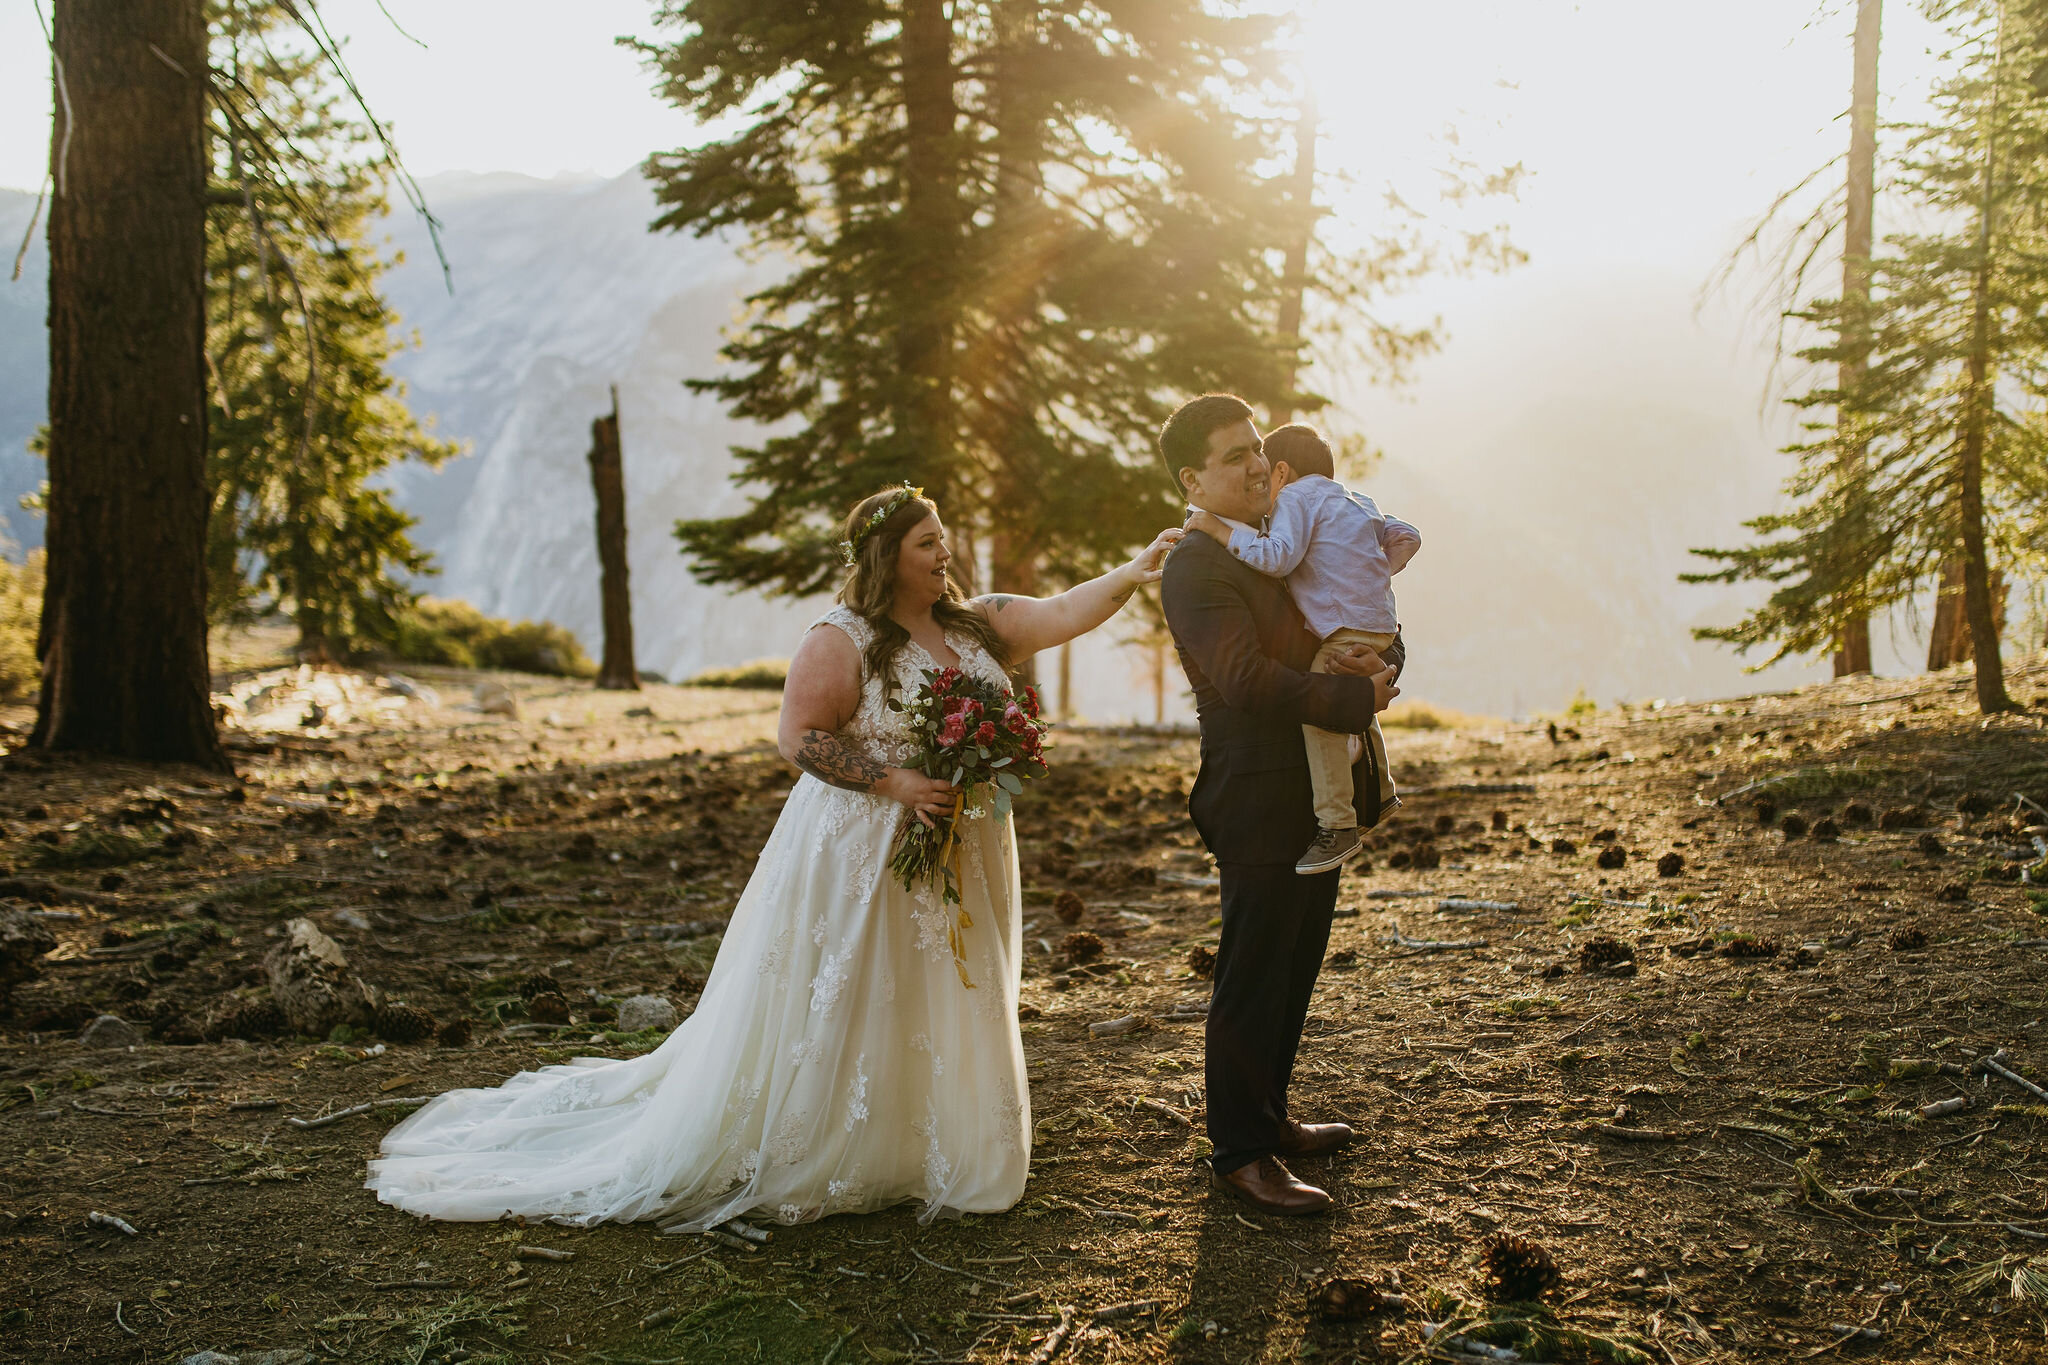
(1247, 655)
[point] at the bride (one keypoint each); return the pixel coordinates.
(839, 1059)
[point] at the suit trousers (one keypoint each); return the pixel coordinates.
(1276, 924)
(1329, 753)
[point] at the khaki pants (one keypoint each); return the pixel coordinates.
(1329, 753)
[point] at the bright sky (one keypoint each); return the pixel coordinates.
(1650, 125)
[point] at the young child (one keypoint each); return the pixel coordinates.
(1339, 554)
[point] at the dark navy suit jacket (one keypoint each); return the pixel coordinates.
(1247, 653)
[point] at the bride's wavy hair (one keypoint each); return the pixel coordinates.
(870, 586)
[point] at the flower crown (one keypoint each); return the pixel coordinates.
(849, 550)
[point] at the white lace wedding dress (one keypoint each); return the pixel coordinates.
(835, 1061)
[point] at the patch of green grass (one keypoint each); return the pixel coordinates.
(695, 955)
(768, 675)
(1523, 1004)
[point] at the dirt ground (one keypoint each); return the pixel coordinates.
(1719, 1143)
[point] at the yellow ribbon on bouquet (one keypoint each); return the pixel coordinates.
(949, 859)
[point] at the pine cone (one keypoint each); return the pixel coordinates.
(1929, 845)
(1344, 1299)
(1766, 812)
(1068, 908)
(1426, 857)
(1563, 846)
(1856, 813)
(402, 1023)
(1826, 830)
(455, 1033)
(1794, 825)
(1750, 948)
(1445, 824)
(252, 1019)
(1596, 954)
(1516, 1270)
(1909, 939)
(1081, 946)
(1202, 961)
(1671, 864)
(170, 1026)
(549, 1007)
(1500, 819)
(540, 983)
(1612, 856)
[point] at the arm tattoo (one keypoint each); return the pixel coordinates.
(1123, 596)
(997, 601)
(821, 755)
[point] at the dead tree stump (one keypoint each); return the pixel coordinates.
(607, 476)
(311, 982)
(23, 941)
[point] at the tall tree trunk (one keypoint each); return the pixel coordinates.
(1294, 268)
(1852, 654)
(1978, 398)
(998, 368)
(1949, 641)
(927, 286)
(608, 478)
(123, 635)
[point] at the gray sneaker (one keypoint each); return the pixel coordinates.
(1331, 848)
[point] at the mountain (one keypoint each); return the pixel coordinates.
(1584, 429)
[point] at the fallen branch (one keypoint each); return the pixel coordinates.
(384, 1285)
(1161, 1107)
(1943, 1108)
(1116, 1312)
(242, 1105)
(747, 1230)
(1615, 1130)
(1054, 1340)
(366, 1107)
(1993, 1064)
(1382, 893)
(1432, 945)
(1109, 1028)
(1461, 903)
(543, 1254)
(109, 1221)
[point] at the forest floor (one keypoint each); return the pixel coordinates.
(1723, 1151)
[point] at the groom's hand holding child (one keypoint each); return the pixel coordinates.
(1338, 553)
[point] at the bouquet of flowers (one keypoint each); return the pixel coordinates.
(979, 736)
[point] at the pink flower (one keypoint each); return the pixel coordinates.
(953, 731)
(1014, 719)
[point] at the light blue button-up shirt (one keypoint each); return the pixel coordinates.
(1338, 552)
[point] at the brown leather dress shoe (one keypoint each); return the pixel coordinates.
(1315, 1139)
(1270, 1187)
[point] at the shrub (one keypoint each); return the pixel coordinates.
(437, 630)
(1421, 715)
(767, 674)
(21, 607)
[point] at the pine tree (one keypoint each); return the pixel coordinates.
(996, 293)
(305, 414)
(1936, 450)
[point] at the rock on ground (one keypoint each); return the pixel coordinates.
(645, 1012)
(110, 1030)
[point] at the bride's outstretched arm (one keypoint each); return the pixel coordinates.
(1030, 624)
(821, 697)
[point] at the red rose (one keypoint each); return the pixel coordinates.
(986, 734)
(1014, 720)
(1031, 701)
(953, 732)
